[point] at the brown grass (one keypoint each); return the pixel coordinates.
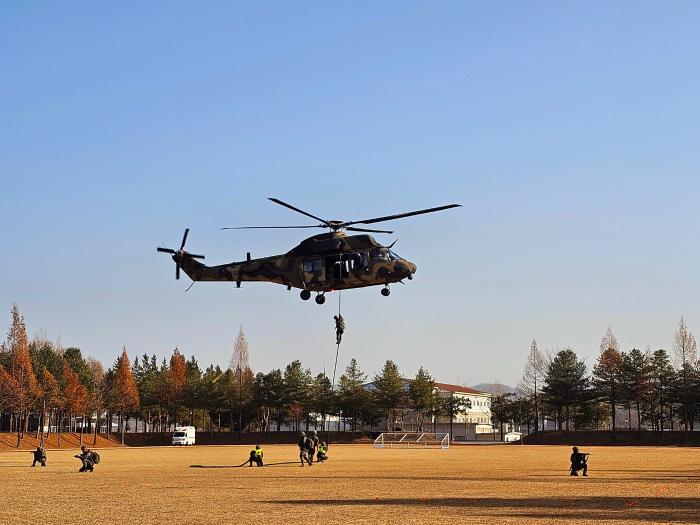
(470, 484)
(69, 440)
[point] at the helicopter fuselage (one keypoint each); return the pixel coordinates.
(325, 262)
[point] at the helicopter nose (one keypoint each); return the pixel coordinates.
(406, 268)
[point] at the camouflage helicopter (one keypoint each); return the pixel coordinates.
(322, 263)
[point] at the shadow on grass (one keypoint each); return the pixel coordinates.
(533, 478)
(678, 510)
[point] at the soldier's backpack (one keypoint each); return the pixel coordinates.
(95, 458)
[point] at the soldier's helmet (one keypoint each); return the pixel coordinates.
(313, 432)
(335, 317)
(83, 448)
(575, 449)
(303, 434)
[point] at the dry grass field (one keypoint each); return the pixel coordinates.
(474, 484)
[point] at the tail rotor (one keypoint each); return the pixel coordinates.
(179, 255)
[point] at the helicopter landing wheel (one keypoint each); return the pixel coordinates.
(386, 291)
(320, 299)
(305, 295)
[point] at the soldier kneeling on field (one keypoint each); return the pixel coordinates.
(88, 458)
(256, 456)
(322, 454)
(578, 462)
(39, 456)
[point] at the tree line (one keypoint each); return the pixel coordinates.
(62, 390)
(657, 390)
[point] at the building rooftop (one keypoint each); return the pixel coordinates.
(445, 387)
(459, 388)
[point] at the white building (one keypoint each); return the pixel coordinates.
(472, 417)
(475, 416)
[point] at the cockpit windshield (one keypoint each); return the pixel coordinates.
(383, 254)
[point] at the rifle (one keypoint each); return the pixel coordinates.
(584, 459)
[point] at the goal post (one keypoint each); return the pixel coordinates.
(412, 440)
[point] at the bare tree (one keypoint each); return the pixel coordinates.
(240, 356)
(609, 341)
(685, 355)
(239, 365)
(531, 382)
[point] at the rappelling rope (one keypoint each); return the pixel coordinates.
(337, 349)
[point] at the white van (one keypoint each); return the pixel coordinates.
(512, 436)
(183, 436)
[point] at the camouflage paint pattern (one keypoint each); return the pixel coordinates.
(329, 261)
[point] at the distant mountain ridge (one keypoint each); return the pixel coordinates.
(494, 388)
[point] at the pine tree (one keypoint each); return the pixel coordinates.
(636, 380)
(421, 393)
(352, 395)
(389, 391)
(297, 391)
(125, 394)
(662, 376)
(322, 399)
(193, 386)
(565, 384)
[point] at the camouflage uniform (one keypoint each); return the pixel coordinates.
(314, 444)
(339, 328)
(88, 459)
(578, 462)
(39, 457)
(305, 448)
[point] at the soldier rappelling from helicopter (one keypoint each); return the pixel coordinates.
(339, 328)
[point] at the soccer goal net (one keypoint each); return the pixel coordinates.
(412, 440)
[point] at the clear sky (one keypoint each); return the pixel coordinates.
(568, 130)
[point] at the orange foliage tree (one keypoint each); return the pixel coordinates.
(74, 395)
(125, 394)
(51, 397)
(607, 373)
(25, 388)
(177, 378)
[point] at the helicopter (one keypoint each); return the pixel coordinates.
(322, 263)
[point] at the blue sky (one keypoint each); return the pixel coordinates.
(569, 132)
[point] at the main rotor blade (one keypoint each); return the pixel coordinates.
(354, 229)
(184, 238)
(195, 256)
(166, 250)
(401, 215)
(282, 203)
(272, 227)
